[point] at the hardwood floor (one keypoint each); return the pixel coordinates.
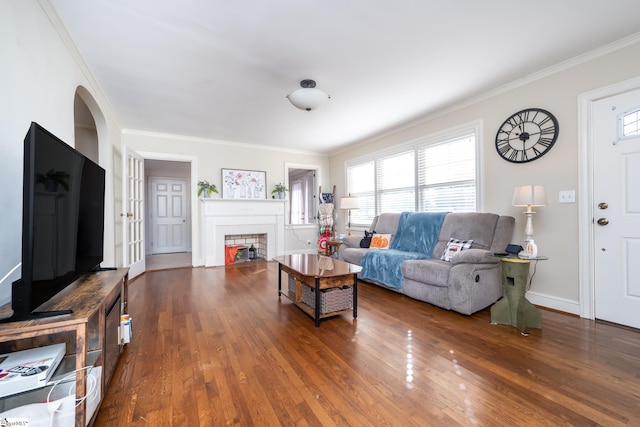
(216, 346)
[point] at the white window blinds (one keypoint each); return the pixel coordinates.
(434, 174)
(361, 184)
(447, 176)
(396, 190)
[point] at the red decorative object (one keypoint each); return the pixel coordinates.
(230, 254)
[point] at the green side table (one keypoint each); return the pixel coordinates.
(514, 309)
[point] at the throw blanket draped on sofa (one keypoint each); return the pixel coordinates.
(415, 238)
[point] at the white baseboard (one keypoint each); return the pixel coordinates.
(555, 303)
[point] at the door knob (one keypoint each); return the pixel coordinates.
(603, 221)
(602, 205)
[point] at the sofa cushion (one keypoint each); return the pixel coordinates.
(418, 232)
(385, 266)
(476, 226)
(432, 272)
(473, 256)
(351, 241)
(387, 223)
(353, 255)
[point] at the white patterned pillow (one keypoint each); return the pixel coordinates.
(453, 247)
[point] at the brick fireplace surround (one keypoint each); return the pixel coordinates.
(230, 217)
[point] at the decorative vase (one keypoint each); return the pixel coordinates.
(532, 249)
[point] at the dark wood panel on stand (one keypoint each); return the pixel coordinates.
(92, 298)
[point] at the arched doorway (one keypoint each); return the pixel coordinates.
(92, 140)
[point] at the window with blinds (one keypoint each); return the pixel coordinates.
(396, 183)
(447, 176)
(430, 175)
(361, 184)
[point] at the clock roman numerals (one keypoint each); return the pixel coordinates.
(527, 135)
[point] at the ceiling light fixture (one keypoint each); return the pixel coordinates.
(308, 97)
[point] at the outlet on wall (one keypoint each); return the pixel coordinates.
(308, 242)
(567, 196)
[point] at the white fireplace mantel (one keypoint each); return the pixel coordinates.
(222, 217)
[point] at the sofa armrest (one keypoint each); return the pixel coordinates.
(351, 241)
(474, 256)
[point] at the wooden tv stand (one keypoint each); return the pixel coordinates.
(90, 332)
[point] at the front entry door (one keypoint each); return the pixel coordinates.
(616, 214)
(168, 215)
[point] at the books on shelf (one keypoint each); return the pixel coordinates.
(26, 370)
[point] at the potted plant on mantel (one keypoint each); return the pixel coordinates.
(280, 189)
(205, 189)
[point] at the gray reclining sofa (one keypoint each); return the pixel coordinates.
(470, 281)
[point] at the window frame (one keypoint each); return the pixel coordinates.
(621, 135)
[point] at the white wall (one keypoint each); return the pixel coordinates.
(38, 81)
(210, 156)
(556, 225)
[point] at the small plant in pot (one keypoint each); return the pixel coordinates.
(280, 190)
(52, 179)
(205, 189)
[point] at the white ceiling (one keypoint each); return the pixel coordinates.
(222, 69)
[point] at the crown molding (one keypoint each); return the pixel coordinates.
(202, 140)
(538, 75)
(94, 86)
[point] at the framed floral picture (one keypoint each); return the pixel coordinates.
(244, 184)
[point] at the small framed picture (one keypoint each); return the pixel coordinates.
(244, 184)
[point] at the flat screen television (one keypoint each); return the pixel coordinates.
(62, 222)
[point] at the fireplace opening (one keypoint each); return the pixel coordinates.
(244, 247)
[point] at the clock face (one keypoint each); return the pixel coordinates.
(527, 135)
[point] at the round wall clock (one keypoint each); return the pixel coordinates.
(527, 135)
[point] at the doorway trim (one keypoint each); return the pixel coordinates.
(586, 238)
(196, 255)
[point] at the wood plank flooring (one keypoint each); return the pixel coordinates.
(216, 346)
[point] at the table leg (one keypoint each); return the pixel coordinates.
(317, 310)
(279, 279)
(355, 295)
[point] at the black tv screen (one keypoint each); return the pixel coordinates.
(63, 220)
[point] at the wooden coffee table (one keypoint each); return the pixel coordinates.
(318, 272)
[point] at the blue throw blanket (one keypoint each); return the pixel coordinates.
(415, 238)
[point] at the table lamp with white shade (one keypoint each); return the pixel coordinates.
(529, 196)
(348, 203)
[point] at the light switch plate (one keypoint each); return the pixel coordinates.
(567, 196)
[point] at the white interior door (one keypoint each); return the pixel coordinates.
(168, 215)
(616, 214)
(134, 215)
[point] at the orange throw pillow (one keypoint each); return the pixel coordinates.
(380, 241)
